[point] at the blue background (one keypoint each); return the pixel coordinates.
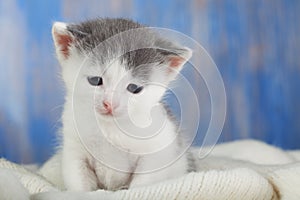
(254, 43)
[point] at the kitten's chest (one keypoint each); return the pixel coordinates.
(111, 179)
(116, 146)
(113, 172)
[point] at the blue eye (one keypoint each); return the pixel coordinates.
(133, 88)
(95, 80)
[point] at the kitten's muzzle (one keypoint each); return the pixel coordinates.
(108, 107)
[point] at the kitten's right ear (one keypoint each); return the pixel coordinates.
(63, 39)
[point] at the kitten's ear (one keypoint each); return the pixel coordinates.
(63, 39)
(179, 58)
(175, 60)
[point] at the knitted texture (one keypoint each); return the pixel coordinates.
(234, 184)
(219, 177)
(32, 181)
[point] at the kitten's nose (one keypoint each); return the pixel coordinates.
(107, 106)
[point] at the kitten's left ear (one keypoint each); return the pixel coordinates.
(180, 57)
(175, 60)
(63, 39)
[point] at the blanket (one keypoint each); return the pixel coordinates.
(245, 169)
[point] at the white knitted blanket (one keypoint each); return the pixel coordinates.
(238, 170)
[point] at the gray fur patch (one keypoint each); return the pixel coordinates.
(91, 38)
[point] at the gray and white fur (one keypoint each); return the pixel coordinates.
(116, 132)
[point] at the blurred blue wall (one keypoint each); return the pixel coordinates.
(255, 44)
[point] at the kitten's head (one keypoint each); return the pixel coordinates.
(116, 66)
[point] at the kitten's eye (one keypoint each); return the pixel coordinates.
(95, 80)
(133, 88)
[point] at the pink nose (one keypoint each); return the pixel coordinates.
(107, 106)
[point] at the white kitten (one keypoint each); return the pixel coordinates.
(116, 133)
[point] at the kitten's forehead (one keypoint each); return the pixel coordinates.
(106, 40)
(117, 67)
(116, 75)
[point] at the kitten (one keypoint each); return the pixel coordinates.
(116, 132)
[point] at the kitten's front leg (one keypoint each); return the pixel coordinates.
(77, 174)
(174, 170)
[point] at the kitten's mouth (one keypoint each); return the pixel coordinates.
(108, 114)
(105, 113)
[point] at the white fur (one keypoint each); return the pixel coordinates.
(102, 150)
